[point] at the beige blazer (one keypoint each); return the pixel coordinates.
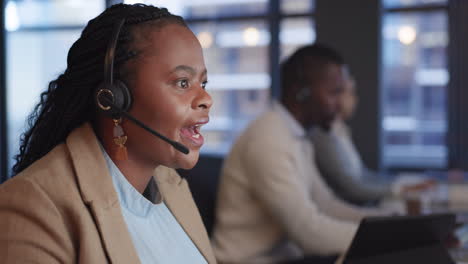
(64, 209)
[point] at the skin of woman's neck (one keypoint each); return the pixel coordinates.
(136, 173)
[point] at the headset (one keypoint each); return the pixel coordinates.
(113, 98)
(110, 89)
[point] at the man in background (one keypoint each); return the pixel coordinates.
(273, 205)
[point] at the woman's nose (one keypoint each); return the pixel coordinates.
(203, 100)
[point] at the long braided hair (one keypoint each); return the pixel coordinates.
(68, 101)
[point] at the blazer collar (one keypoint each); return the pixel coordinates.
(177, 196)
(98, 192)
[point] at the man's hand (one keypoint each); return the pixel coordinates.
(419, 187)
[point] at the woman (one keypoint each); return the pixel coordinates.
(86, 189)
(341, 166)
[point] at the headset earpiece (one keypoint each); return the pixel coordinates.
(113, 89)
(123, 97)
(117, 93)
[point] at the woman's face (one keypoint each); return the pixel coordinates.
(168, 87)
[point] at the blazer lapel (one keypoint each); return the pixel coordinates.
(99, 195)
(176, 195)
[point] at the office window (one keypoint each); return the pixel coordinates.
(39, 34)
(415, 78)
(236, 39)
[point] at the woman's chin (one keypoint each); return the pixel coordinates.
(188, 161)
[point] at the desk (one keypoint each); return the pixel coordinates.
(443, 198)
(451, 198)
(460, 255)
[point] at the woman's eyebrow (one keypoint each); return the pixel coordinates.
(184, 68)
(189, 70)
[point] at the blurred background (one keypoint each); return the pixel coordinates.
(409, 58)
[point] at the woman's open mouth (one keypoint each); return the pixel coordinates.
(192, 133)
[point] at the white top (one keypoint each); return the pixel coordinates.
(156, 234)
(342, 168)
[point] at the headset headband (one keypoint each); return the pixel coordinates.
(110, 54)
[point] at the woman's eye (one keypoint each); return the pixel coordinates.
(204, 84)
(183, 84)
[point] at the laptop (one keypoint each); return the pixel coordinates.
(402, 239)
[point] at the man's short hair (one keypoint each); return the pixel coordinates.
(307, 60)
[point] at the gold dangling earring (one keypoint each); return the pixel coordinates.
(120, 151)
